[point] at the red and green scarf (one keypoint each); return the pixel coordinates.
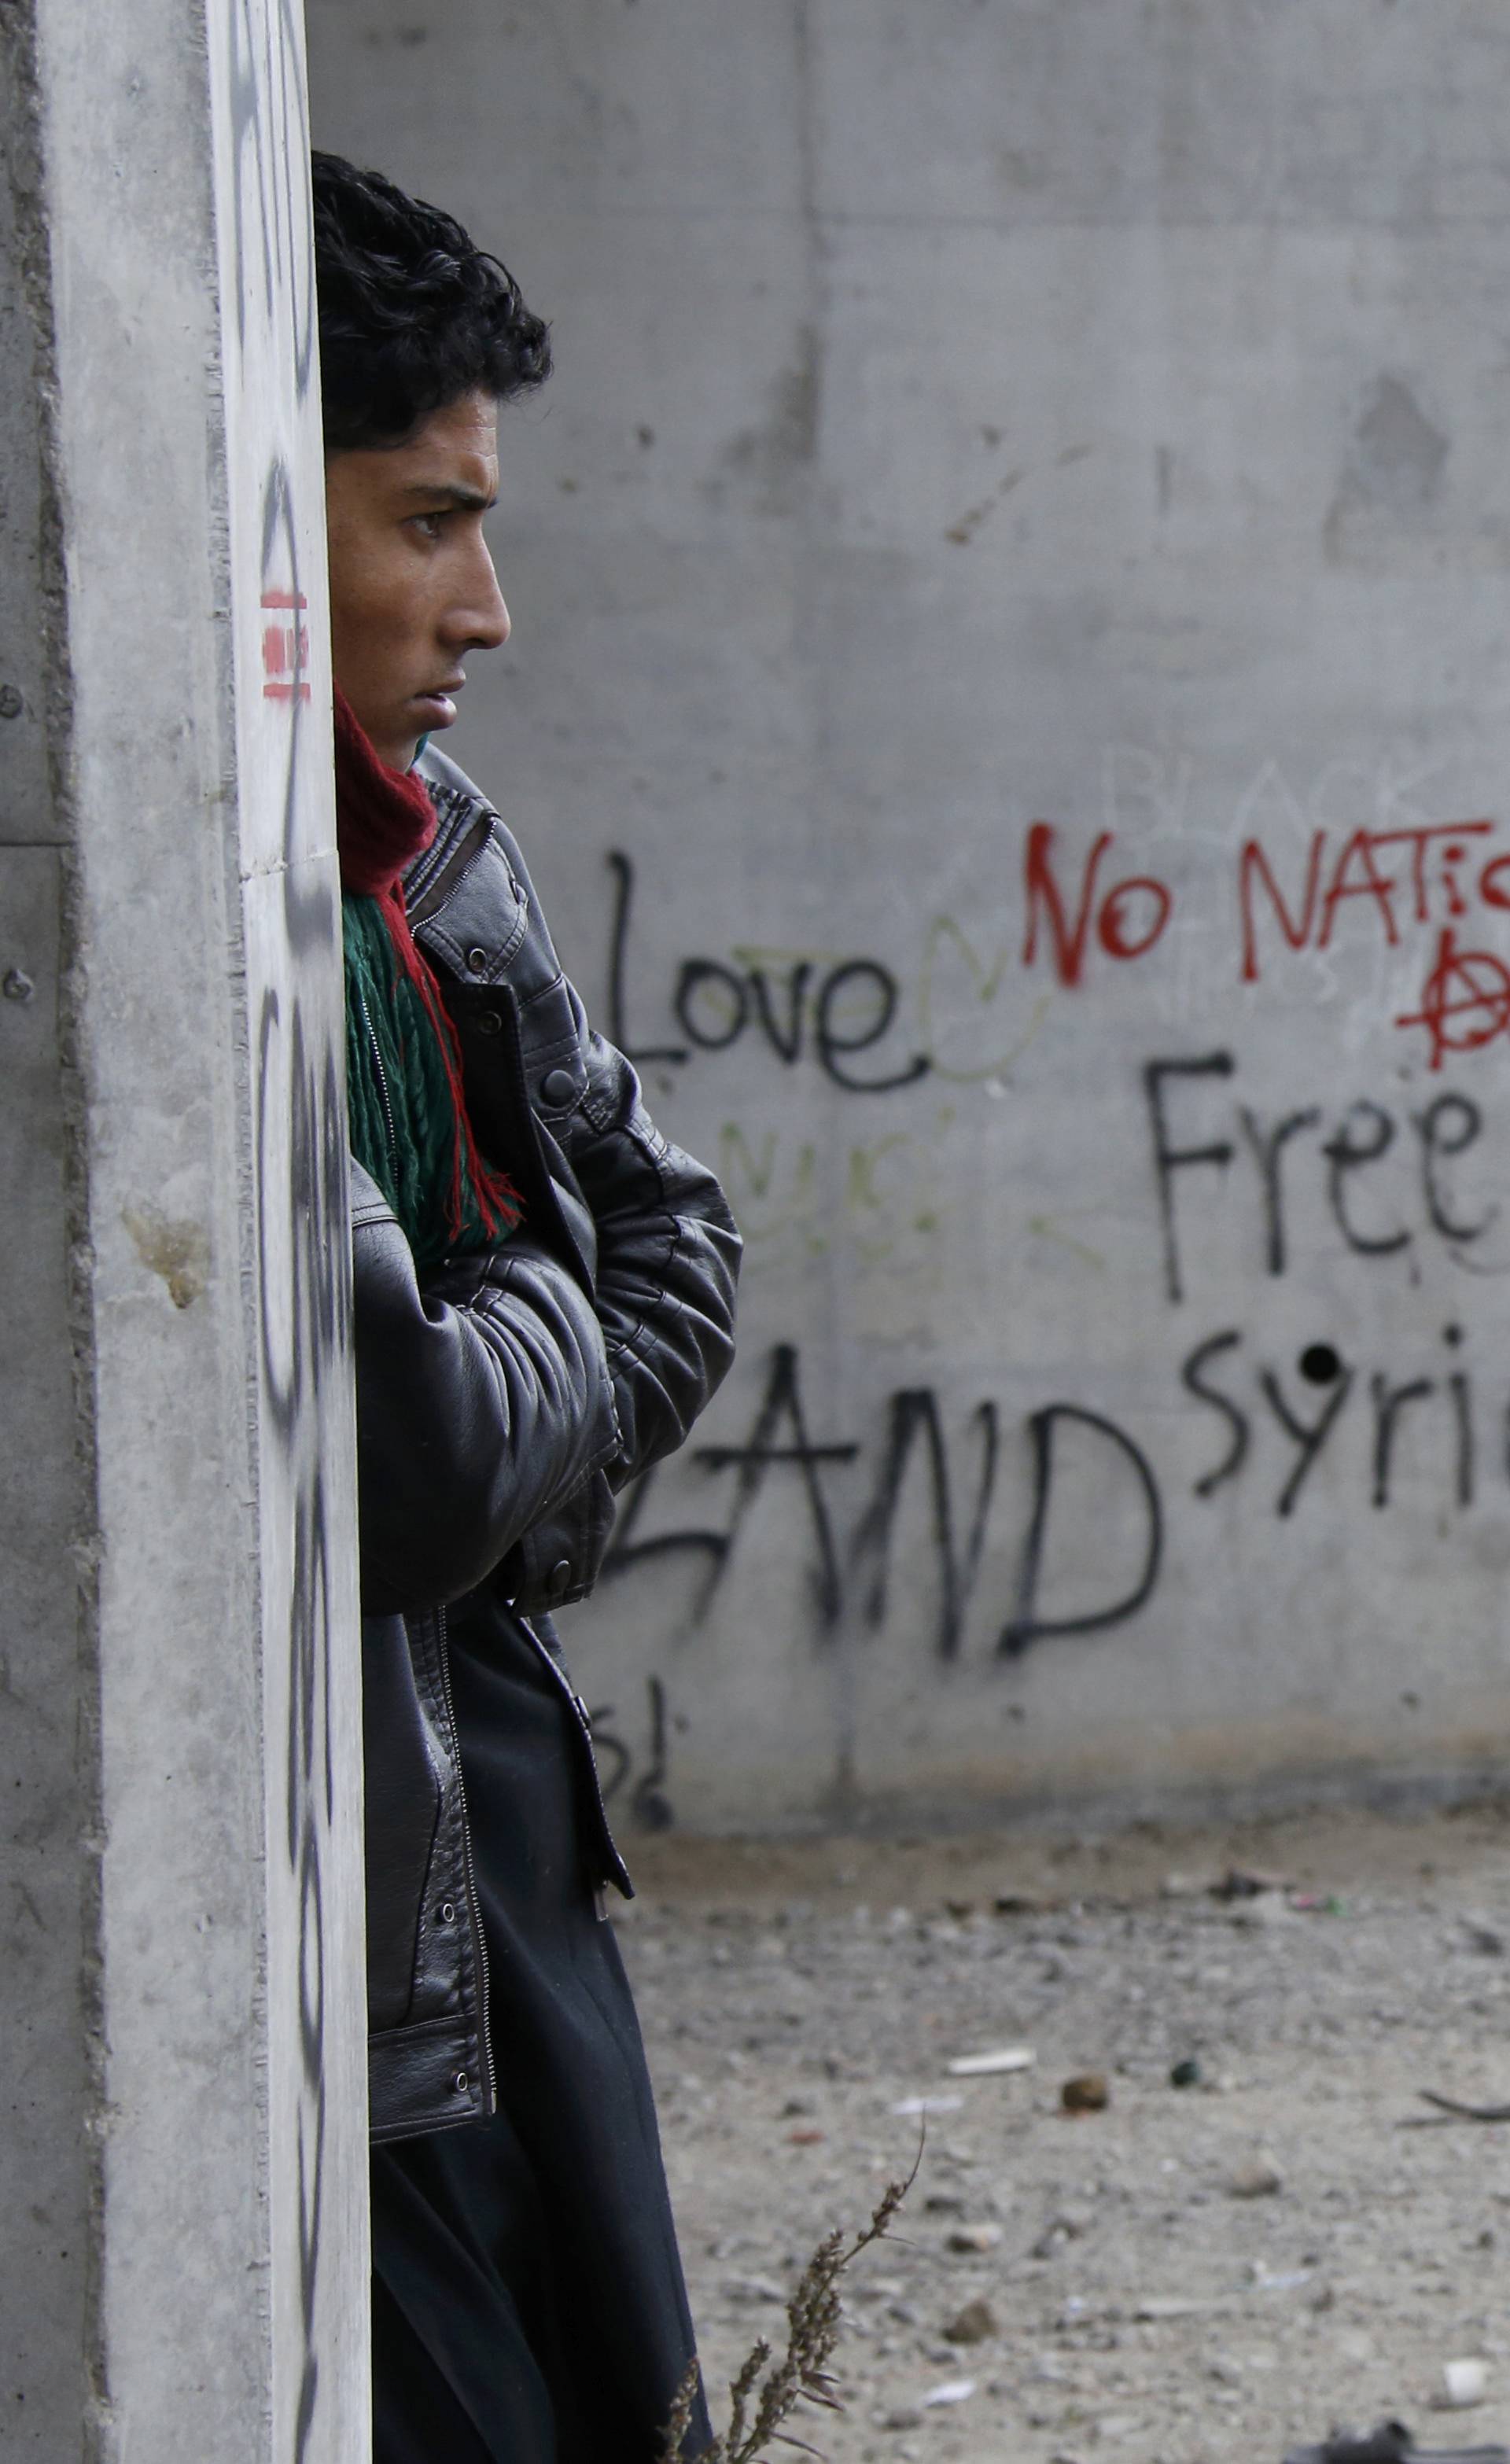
(404, 1079)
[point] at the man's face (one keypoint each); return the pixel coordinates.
(413, 587)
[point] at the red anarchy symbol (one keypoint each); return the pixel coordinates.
(1466, 1002)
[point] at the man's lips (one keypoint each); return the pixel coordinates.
(439, 702)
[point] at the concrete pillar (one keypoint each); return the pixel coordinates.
(183, 2262)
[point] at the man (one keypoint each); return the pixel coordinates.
(543, 1293)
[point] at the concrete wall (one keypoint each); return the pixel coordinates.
(1007, 711)
(183, 2145)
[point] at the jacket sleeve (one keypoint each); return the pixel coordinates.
(667, 1263)
(656, 1237)
(483, 1405)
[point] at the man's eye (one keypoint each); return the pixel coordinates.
(429, 526)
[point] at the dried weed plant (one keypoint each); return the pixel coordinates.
(760, 2407)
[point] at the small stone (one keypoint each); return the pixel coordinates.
(1071, 2224)
(974, 2238)
(1186, 2074)
(902, 2416)
(1463, 2383)
(975, 2322)
(1259, 2180)
(1087, 2092)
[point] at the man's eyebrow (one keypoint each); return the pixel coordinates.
(468, 500)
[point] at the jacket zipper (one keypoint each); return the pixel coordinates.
(484, 2029)
(383, 1089)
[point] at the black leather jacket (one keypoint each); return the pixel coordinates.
(501, 1400)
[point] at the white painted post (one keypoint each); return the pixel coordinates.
(184, 2256)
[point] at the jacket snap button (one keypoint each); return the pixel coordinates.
(448, 1912)
(558, 1088)
(459, 2082)
(560, 1578)
(477, 961)
(489, 1022)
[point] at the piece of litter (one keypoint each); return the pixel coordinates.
(1463, 2383)
(1007, 2058)
(1465, 2112)
(976, 2238)
(953, 2391)
(916, 2104)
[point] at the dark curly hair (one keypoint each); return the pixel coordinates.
(412, 315)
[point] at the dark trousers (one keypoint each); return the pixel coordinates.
(528, 2301)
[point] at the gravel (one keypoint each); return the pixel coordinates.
(1188, 2277)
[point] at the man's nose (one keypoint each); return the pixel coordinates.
(480, 620)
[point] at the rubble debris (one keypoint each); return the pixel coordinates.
(993, 2065)
(1068, 2224)
(1463, 2384)
(974, 2325)
(952, 2391)
(976, 2239)
(1262, 2179)
(1183, 1886)
(1187, 2074)
(1391, 2443)
(1087, 2092)
(1240, 1883)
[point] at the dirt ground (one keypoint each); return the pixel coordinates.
(1217, 2270)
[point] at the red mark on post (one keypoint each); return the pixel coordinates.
(285, 648)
